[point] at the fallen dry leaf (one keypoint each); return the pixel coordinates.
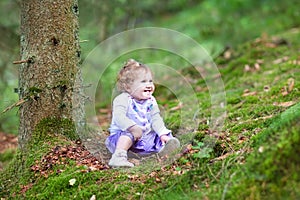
(284, 104)
(178, 107)
(291, 83)
(280, 60)
(24, 188)
(260, 61)
(247, 68)
(257, 66)
(157, 180)
(284, 91)
(248, 93)
(289, 88)
(222, 157)
(227, 54)
(242, 139)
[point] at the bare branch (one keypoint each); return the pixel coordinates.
(21, 61)
(20, 102)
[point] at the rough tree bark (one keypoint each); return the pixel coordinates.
(50, 55)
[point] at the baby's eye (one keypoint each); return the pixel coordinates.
(143, 81)
(150, 81)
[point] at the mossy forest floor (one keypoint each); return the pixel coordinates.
(256, 155)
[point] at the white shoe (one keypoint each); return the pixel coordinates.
(169, 147)
(119, 159)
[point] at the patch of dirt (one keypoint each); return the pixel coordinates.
(8, 141)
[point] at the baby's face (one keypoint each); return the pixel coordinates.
(142, 88)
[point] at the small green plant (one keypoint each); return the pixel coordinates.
(203, 151)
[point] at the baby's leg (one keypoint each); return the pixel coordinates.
(119, 157)
(124, 142)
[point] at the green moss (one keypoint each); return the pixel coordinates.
(54, 125)
(280, 122)
(48, 133)
(34, 91)
(272, 171)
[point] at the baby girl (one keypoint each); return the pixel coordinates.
(136, 122)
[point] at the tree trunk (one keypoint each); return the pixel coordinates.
(50, 56)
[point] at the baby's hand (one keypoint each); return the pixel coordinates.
(136, 131)
(164, 139)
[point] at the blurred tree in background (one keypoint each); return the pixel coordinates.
(9, 51)
(110, 17)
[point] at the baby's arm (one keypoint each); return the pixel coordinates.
(120, 106)
(158, 124)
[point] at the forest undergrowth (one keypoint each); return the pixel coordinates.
(255, 154)
(253, 157)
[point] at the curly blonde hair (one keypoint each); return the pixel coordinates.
(128, 74)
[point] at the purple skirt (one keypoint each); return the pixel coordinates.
(148, 144)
